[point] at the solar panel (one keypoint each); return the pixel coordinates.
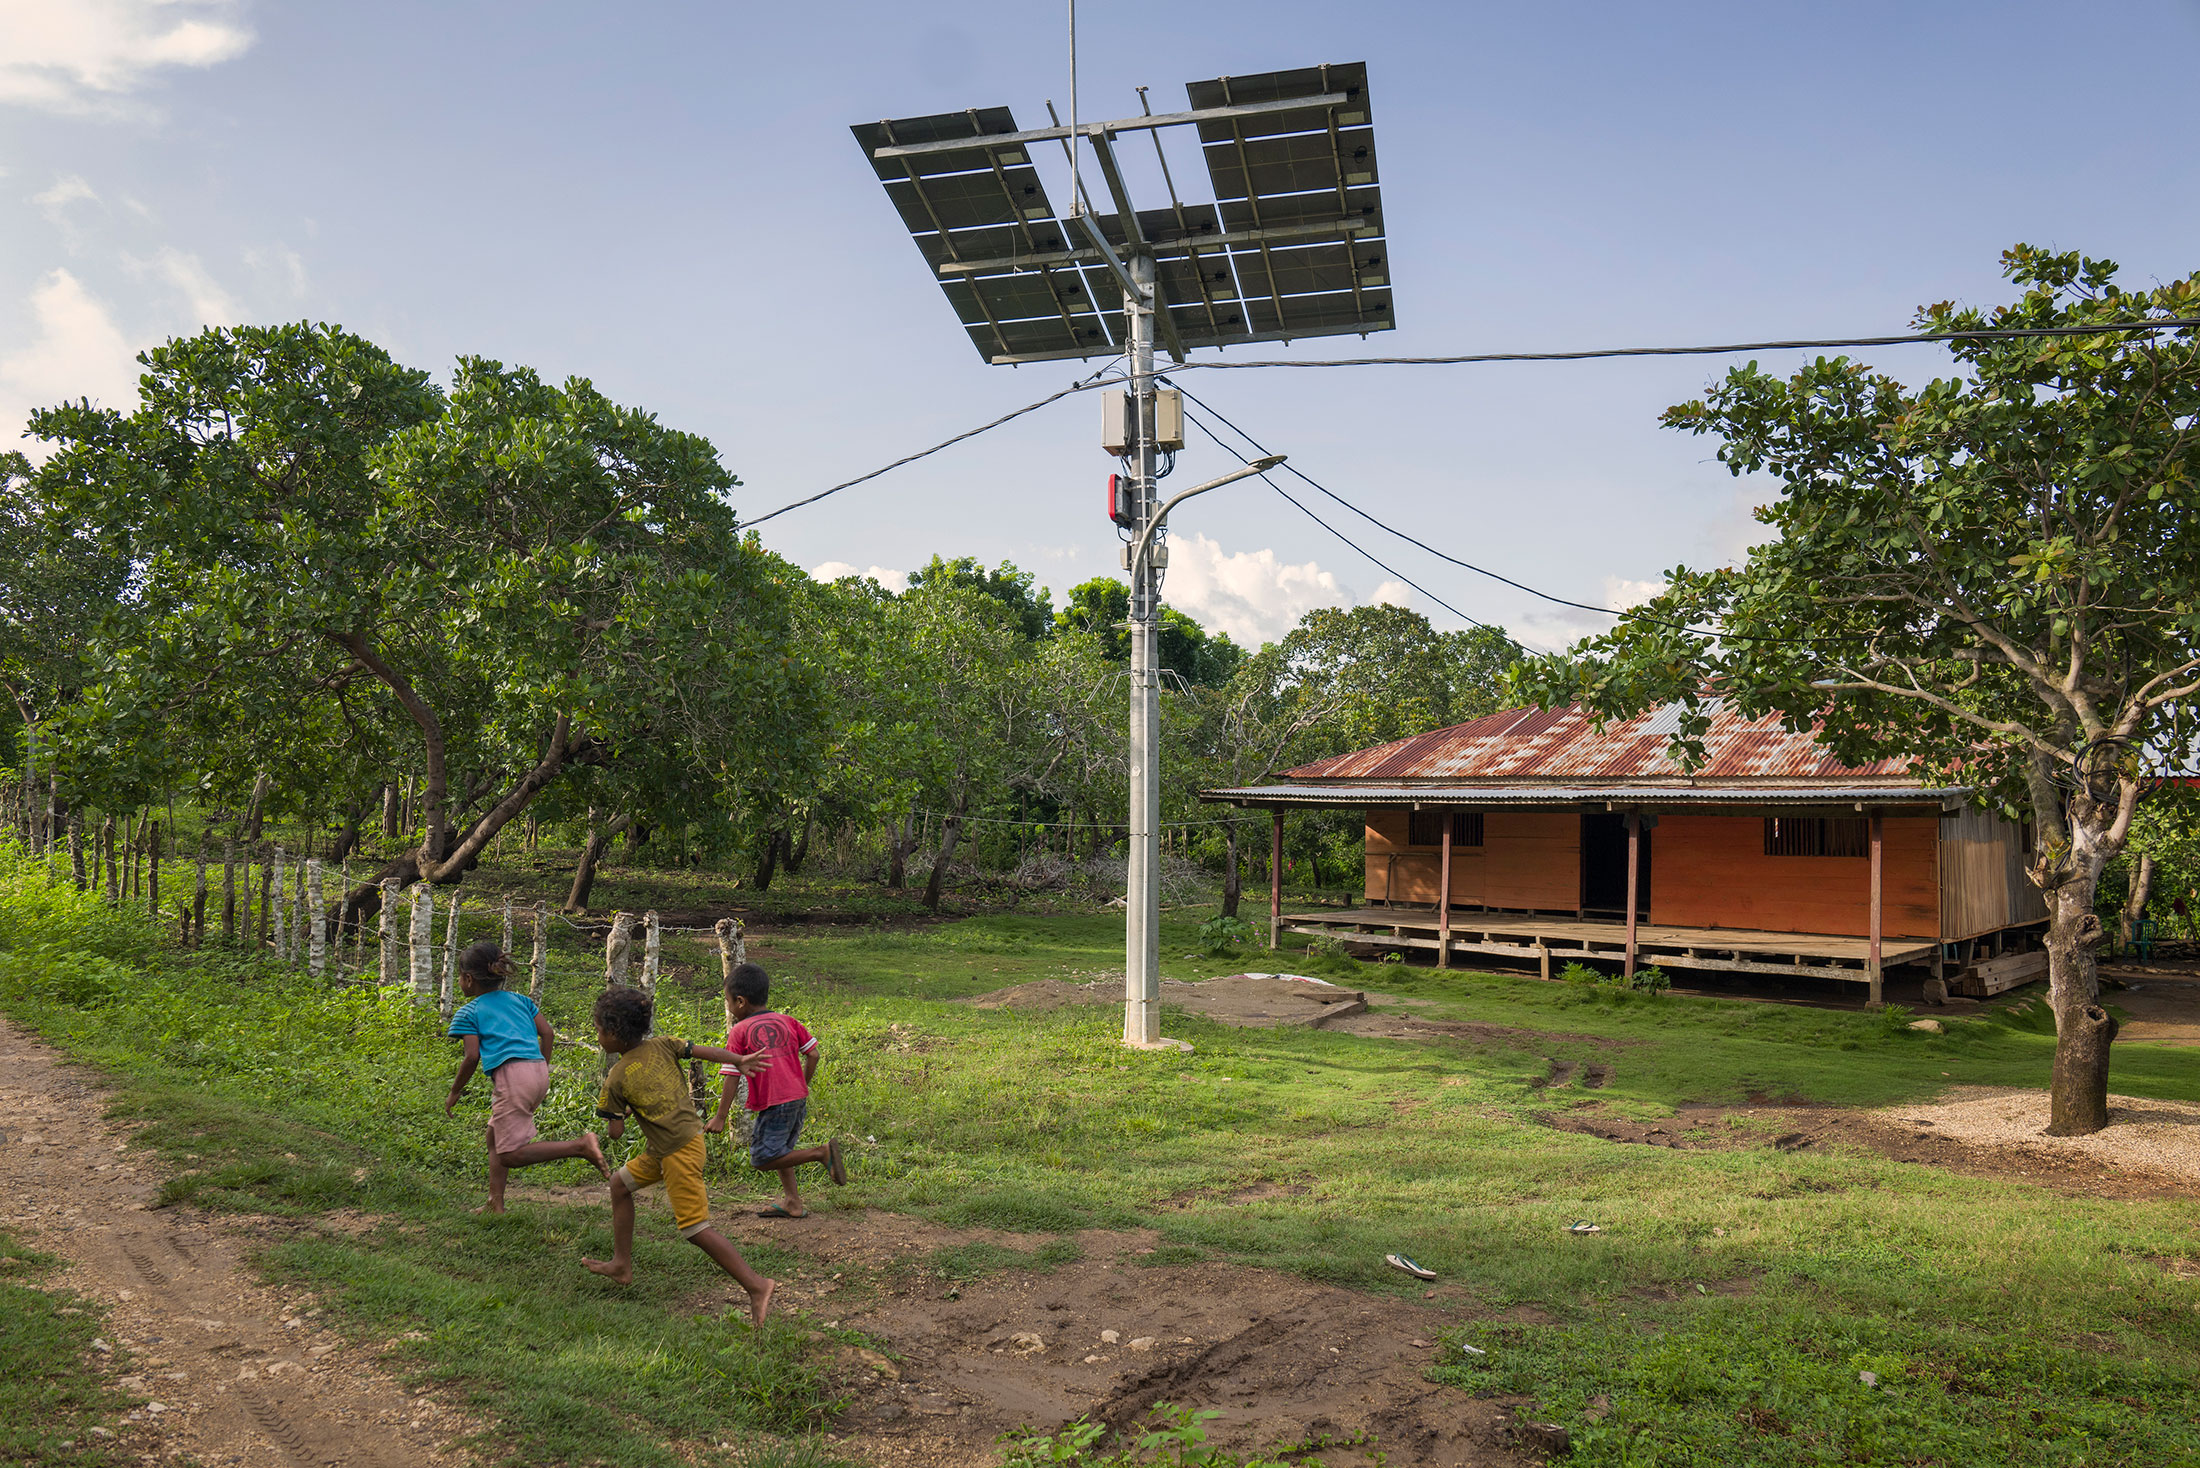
(1291, 246)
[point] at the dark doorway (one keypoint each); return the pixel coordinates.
(1604, 867)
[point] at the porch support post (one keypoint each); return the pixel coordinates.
(1275, 881)
(1634, 875)
(1872, 964)
(1443, 900)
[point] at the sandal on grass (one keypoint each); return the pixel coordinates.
(1400, 1261)
(834, 1167)
(779, 1210)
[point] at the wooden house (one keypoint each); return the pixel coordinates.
(1535, 835)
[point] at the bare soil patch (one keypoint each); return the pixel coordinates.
(1271, 1001)
(2151, 1149)
(1106, 1337)
(2160, 1006)
(233, 1371)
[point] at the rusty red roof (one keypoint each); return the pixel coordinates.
(1564, 746)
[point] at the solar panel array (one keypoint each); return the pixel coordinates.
(1292, 246)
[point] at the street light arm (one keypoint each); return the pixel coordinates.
(1161, 516)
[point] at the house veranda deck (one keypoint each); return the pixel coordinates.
(1540, 939)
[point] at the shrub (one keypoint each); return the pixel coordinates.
(1221, 935)
(1651, 980)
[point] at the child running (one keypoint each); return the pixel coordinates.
(646, 1082)
(779, 1089)
(507, 1036)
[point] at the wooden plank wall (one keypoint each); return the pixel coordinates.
(1983, 885)
(1528, 860)
(1712, 872)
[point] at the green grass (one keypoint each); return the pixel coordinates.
(1719, 1318)
(53, 1390)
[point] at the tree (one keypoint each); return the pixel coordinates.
(1390, 674)
(1996, 576)
(1016, 590)
(1101, 608)
(529, 578)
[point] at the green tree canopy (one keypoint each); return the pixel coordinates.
(527, 577)
(1996, 575)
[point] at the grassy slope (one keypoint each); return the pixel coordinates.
(49, 1403)
(1723, 1314)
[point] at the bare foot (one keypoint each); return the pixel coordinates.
(594, 1151)
(611, 1269)
(489, 1208)
(760, 1302)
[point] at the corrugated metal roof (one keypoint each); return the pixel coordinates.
(1642, 796)
(1565, 746)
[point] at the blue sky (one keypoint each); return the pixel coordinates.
(665, 199)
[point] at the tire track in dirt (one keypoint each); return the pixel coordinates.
(231, 1371)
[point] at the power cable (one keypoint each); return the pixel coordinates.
(1469, 565)
(1198, 423)
(1998, 333)
(1082, 385)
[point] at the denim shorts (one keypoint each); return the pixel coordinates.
(776, 1130)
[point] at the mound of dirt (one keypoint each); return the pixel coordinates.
(1283, 1360)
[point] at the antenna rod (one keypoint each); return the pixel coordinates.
(1076, 194)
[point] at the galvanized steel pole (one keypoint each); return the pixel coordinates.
(1142, 892)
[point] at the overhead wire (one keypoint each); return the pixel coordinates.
(1099, 378)
(1993, 333)
(1387, 570)
(1639, 616)
(1085, 384)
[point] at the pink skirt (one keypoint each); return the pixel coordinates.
(516, 1088)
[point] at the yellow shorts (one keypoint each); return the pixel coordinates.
(682, 1175)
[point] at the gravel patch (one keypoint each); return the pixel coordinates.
(2143, 1135)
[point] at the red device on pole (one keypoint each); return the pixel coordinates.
(1119, 501)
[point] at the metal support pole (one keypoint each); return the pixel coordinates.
(1275, 881)
(1876, 972)
(1634, 873)
(1443, 900)
(1142, 895)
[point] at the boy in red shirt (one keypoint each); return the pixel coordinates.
(780, 1093)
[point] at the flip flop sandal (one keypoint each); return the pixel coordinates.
(777, 1211)
(834, 1166)
(1400, 1261)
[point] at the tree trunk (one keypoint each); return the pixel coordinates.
(347, 840)
(584, 875)
(393, 811)
(255, 807)
(1233, 881)
(2135, 903)
(2083, 1030)
(900, 842)
(636, 834)
(767, 864)
(800, 851)
(950, 835)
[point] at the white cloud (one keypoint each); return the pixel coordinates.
(209, 304)
(87, 55)
(1252, 595)
(894, 581)
(1620, 593)
(75, 351)
(68, 189)
(1392, 594)
(282, 260)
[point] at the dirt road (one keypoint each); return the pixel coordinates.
(230, 1371)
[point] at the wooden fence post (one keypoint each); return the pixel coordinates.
(198, 896)
(507, 925)
(301, 940)
(733, 951)
(152, 872)
(651, 951)
(278, 880)
(446, 1000)
(107, 847)
(388, 932)
(76, 848)
(420, 944)
(267, 905)
(539, 970)
(229, 891)
(618, 948)
(317, 953)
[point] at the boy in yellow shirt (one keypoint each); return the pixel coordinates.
(646, 1082)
